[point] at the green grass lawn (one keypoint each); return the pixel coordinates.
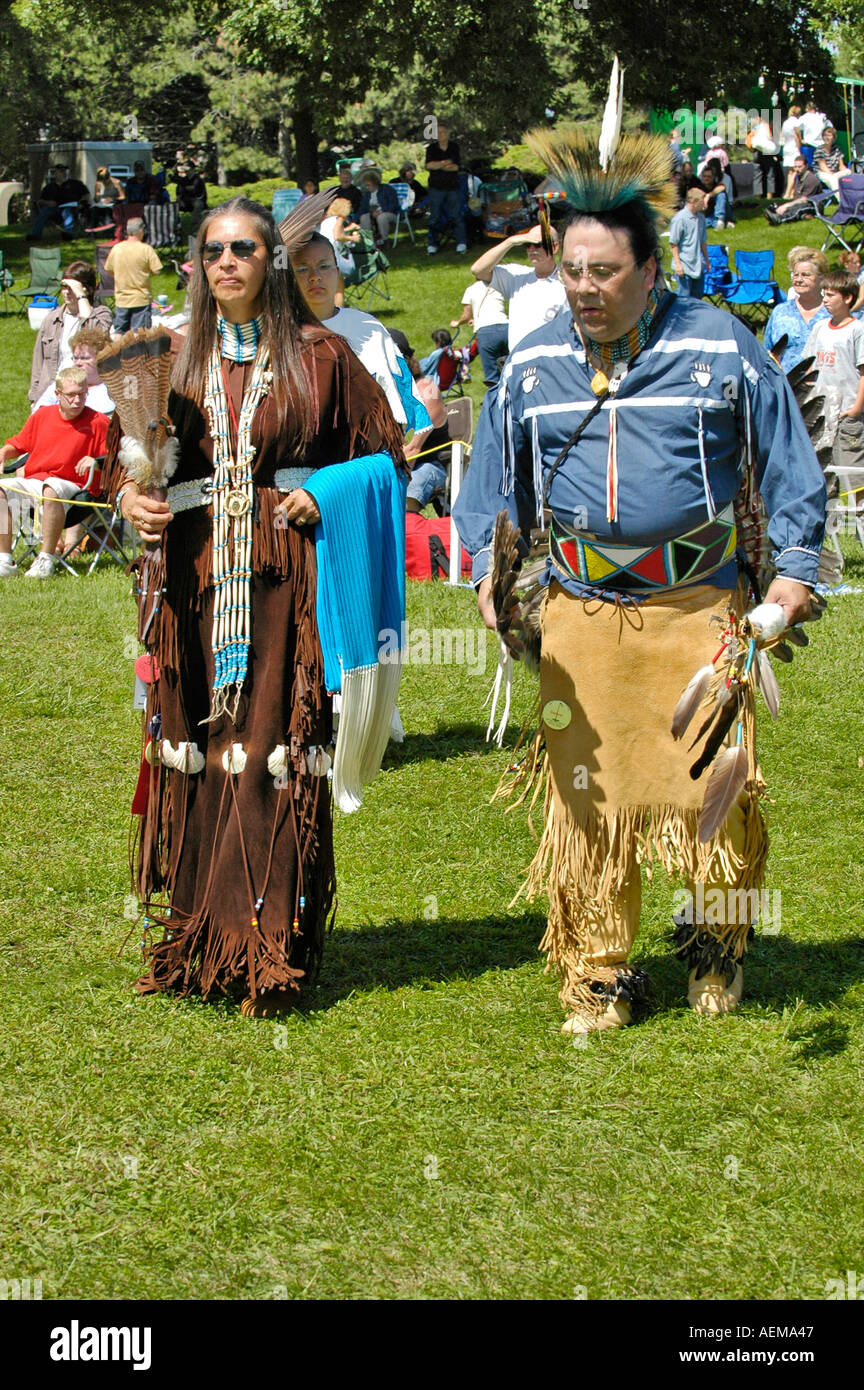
(419, 1128)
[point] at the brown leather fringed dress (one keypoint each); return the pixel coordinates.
(237, 866)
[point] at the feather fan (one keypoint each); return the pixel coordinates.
(136, 370)
(296, 229)
(725, 785)
(641, 168)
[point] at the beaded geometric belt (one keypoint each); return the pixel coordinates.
(683, 560)
(199, 492)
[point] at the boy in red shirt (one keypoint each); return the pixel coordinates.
(62, 442)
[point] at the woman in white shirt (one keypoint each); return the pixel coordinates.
(340, 237)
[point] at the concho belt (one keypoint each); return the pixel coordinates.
(681, 560)
(199, 493)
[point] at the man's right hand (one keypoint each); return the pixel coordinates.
(484, 603)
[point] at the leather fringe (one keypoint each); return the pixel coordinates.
(582, 866)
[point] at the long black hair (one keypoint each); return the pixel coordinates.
(283, 311)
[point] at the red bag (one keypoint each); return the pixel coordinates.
(427, 547)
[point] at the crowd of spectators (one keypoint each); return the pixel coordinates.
(69, 204)
(502, 304)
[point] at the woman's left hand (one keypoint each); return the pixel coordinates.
(300, 508)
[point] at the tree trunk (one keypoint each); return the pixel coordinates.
(305, 144)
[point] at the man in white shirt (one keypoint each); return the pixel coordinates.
(484, 307)
(813, 122)
(535, 293)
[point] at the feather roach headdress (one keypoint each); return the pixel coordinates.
(624, 169)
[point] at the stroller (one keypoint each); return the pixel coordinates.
(507, 205)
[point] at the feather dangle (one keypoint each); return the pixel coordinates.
(726, 783)
(691, 699)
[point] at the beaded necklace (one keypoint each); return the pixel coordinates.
(232, 529)
(239, 341)
(624, 347)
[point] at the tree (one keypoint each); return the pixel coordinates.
(676, 53)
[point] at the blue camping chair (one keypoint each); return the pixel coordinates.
(718, 276)
(754, 291)
(849, 215)
(284, 200)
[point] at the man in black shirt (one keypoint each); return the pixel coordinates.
(444, 194)
(60, 190)
(806, 185)
(347, 189)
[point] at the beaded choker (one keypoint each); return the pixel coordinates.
(238, 341)
(627, 346)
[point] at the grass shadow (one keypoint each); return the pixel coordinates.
(776, 973)
(445, 743)
(417, 953)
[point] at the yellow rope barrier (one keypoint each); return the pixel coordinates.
(67, 501)
(423, 452)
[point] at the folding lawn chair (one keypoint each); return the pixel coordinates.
(507, 205)
(104, 527)
(284, 199)
(162, 221)
(124, 211)
(44, 275)
(7, 280)
(754, 292)
(105, 289)
(718, 276)
(849, 215)
(369, 277)
(405, 193)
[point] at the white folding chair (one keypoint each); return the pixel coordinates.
(406, 201)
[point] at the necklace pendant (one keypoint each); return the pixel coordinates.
(599, 382)
(237, 503)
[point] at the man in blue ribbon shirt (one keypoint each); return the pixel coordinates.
(680, 416)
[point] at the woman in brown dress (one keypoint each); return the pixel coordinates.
(236, 837)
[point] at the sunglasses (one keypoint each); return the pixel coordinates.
(242, 249)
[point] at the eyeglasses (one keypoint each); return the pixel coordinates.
(598, 275)
(323, 268)
(73, 395)
(242, 249)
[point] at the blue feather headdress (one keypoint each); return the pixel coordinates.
(625, 169)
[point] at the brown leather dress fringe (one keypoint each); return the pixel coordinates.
(213, 845)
